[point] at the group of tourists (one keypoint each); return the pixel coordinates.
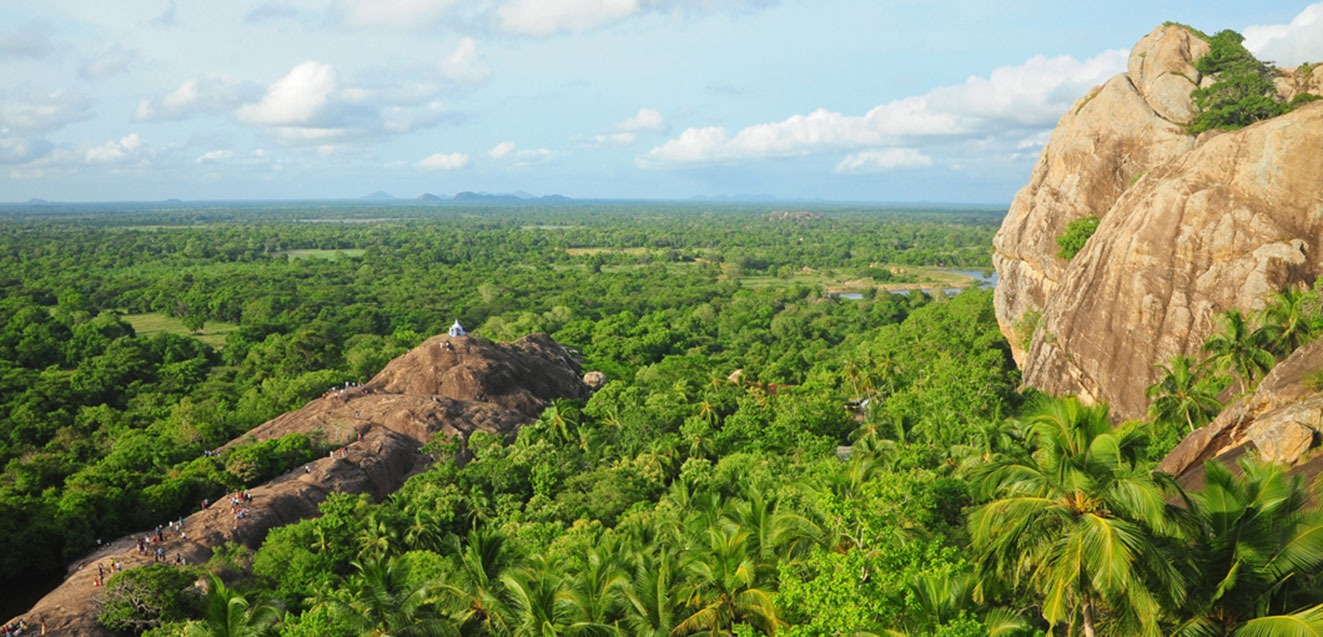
(20, 627)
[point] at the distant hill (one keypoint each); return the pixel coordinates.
(428, 197)
(379, 195)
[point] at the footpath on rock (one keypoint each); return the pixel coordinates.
(452, 386)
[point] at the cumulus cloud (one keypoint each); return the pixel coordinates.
(1025, 98)
(1290, 44)
(627, 131)
(501, 150)
(520, 157)
(30, 42)
(196, 96)
(114, 151)
(214, 156)
(44, 112)
(109, 62)
(296, 99)
(874, 161)
(465, 65)
(444, 161)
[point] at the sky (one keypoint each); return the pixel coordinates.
(844, 100)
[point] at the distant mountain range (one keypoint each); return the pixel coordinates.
(518, 196)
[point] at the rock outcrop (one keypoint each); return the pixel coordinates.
(448, 386)
(1189, 228)
(1281, 421)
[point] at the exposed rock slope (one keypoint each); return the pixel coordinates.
(452, 386)
(1281, 421)
(1187, 229)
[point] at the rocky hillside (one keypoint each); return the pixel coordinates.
(1189, 227)
(451, 386)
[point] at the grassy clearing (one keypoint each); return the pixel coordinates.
(833, 281)
(152, 323)
(330, 255)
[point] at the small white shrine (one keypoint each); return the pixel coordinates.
(457, 329)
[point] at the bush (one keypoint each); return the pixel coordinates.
(148, 596)
(1244, 92)
(1076, 235)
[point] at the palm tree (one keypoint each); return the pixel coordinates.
(1238, 350)
(725, 589)
(229, 614)
(482, 564)
(1076, 522)
(652, 597)
(1181, 396)
(1255, 545)
(594, 587)
(384, 604)
(1285, 323)
(542, 606)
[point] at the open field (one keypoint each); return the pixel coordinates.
(213, 333)
(313, 253)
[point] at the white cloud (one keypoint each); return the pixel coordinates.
(214, 156)
(113, 152)
(616, 138)
(44, 112)
(1029, 97)
(627, 131)
(1290, 44)
(648, 119)
(297, 99)
(873, 161)
(445, 161)
(196, 96)
(394, 14)
(541, 18)
(520, 157)
(501, 150)
(465, 65)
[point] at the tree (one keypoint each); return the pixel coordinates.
(1284, 323)
(383, 603)
(1077, 522)
(725, 589)
(1238, 350)
(1242, 92)
(229, 614)
(1181, 396)
(1254, 545)
(147, 596)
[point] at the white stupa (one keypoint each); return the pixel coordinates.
(457, 329)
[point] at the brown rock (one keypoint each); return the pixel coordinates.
(1187, 229)
(595, 380)
(1107, 143)
(1222, 227)
(453, 391)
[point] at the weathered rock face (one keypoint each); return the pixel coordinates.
(1187, 230)
(450, 386)
(1112, 137)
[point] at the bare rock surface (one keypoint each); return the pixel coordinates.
(1108, 141)
(1189, 228)
(450, 386)
(1282, 419)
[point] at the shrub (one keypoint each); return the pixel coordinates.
(1076, 235)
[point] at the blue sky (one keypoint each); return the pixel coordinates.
(873, 100)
